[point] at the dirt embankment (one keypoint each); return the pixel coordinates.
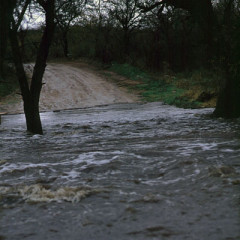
(68, 86)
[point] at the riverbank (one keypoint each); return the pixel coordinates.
(196, 89)
(186, 90)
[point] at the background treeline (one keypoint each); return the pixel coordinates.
(159, 36)
(162, 38)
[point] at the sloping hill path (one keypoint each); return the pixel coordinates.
(71, 85)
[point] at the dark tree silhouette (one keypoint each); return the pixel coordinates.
(66, 13)
(31, 92)
(6, 10)
(228, 104)
(127, 15)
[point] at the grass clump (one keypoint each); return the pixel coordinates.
(129, 71)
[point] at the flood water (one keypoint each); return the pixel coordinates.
(126, 171)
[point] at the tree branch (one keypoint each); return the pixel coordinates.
(20, 18)
(149, 8)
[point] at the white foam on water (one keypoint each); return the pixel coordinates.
(36, 193)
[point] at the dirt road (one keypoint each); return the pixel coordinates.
(69, 87)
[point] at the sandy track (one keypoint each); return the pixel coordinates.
(69, 87)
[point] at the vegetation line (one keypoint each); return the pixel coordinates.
(189, 90)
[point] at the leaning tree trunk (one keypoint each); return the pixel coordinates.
(22, 78)
(31, 95)
(39, 69)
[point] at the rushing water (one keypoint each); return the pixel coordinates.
(127, 171)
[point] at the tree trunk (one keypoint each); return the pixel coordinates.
(32, 117)
(3, 37)
(65, 44)
(126, 38)
(6, 9)
(39, 68)
(31, 95)
(228, 104)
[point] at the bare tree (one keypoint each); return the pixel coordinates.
(31, 92)
(66, 13)
(128, 16)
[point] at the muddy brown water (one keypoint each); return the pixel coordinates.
(124, 171)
